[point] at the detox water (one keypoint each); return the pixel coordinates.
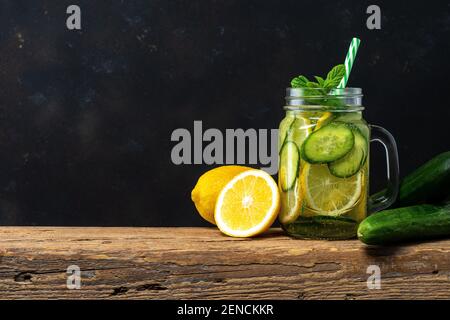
(323, 198)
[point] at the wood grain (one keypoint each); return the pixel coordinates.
(201, 263)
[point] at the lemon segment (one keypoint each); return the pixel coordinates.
(248, 205)
(327, 194)
(326, 118)
(291, 205)
(299, 130)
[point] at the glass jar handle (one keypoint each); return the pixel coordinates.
(385, 198)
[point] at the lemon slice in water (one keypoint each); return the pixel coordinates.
(327, 194)
(325, 119)
(291, 204)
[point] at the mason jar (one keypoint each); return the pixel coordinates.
(324, 158)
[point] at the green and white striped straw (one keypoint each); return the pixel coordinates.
(349, 59)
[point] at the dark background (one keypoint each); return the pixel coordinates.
(86, 116)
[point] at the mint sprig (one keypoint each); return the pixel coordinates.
(332, 80)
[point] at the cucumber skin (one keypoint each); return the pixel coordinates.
(430, 183)
(405, 224)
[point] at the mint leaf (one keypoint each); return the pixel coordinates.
(299, 82)
(331, 83)
(311, 84)
(337, 72)
(320, 80)
(334, 77)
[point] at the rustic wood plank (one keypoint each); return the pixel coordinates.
(201, 263)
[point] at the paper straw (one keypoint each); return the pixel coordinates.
(349, 59)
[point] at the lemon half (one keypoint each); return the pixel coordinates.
(248, 205)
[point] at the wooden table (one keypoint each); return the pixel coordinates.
(201, 263)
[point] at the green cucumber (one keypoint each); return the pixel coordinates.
(352, 161)
(289, 164)
(406, 224)
(430, 183)
(329, 143)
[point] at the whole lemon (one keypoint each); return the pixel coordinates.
(208, 187)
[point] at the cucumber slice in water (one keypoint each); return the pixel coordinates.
(353, 161)
(329, 143)
(285, 126)
(289, 164)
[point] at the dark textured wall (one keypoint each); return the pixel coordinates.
(86, 116)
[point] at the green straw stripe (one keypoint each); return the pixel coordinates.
(349, 59)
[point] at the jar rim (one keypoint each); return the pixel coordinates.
(317, 93)
(336, 99)
(322, 108)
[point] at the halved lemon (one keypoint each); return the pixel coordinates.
(291, 204)
(248, 205)
(327, 194)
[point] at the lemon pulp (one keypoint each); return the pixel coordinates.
(327, 194)
(248, 204)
